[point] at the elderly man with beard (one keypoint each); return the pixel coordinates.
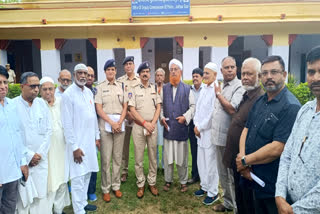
(298, 182)
(64, 80)
(79, 120)
(267, 129)
(36, 125)
(145, 106)
(250, 78)
(177, 110)
(58, 195)
(207, 164)
(12, 159)
(197, 76)
(159, 80)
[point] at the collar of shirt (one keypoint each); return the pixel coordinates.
(210, 86)
(193, 88)
(251, 94)
(24, 102)
(225, 83)
(312, 105)
(142, 86)
(276, 98)
(114, 82)
(5, 101)
(134, 78)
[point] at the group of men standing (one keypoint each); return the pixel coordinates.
(238, 134)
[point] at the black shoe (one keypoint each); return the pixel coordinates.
(193, 180)
(90, 208)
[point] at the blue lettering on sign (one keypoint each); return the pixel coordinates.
(160, 7)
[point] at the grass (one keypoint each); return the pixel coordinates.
(167, 202)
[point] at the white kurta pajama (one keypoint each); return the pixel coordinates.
(37, 130)
(177, 151)
(80, 125)
(58, 194)
(206, 159)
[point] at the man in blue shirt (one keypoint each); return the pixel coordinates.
(268, 127)
(298, 183)
(12, 157)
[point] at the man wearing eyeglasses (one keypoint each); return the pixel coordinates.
(298, 183)
(79, 120)
(36, 125)
(58, 194)
(267, 130)
(12, 158)
(64, 80)
(93, 179)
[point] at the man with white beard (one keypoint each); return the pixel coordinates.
(81, 132)
(206, 158)
(36, 125)
(250, 78)
(58, 194)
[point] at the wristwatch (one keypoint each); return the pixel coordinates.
(243, 161)
(217, 94)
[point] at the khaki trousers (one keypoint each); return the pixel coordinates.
(111, 148)
(126, 148)
(140, 141)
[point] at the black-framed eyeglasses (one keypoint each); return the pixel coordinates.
(65, 80)
(304, 140)
(272, 72)
(34, 86)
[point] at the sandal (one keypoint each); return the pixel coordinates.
(183, 188)
(167, 186)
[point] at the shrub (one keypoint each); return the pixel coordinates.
(301, 91)
(14, 90)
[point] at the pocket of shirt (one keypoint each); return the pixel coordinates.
(41, 123)
(268, 126)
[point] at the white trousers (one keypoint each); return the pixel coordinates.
(79, 189)
(59, 199)
(38, 206)
(208, 170)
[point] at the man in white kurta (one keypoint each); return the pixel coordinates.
(35, 118)
(206, 158)
(80, 126)
(176, 150)
(58, 194)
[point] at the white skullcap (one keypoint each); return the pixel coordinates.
(46, 79)
(212, 66)
(80, 67)
(176, 62)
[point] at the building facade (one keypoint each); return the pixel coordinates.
(47, 36)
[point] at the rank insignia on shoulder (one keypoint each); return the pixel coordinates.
(129, 95)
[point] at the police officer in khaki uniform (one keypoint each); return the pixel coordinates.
(130, 79)
(145, 106)
(111, 104)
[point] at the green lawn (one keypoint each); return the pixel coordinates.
(167, 202)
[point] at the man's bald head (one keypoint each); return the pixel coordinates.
(65, 79)
(90, 77)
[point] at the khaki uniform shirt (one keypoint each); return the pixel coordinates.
(112, 97)
(12, 75)
(129, 84)
(144, 100)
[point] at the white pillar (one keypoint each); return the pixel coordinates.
(190, 62)
(282, 51)
(137, 53)
(102, 56)
(50, 64)
(3, 57)
(217, 54)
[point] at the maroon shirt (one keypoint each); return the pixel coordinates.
(238, 122)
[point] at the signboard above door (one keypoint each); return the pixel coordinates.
(160, 8)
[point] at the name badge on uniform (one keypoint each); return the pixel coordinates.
(130, 95)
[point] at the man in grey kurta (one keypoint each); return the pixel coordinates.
(229, 96)
(177, 111)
